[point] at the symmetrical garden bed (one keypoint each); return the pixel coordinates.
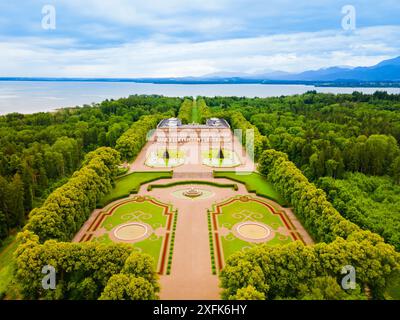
(242, 222)
(220, 158)
(142, 221)
(165, 158)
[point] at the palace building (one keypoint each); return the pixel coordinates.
(215, 130)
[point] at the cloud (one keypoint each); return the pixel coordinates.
(129, 38)
(160, 57)
(170, 16)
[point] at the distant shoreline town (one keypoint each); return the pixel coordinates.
(234, 80)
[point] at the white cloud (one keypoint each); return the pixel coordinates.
(162, 57)
(169, 16)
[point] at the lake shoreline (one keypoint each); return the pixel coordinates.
(27, 97)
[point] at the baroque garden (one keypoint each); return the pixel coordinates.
(195, 202)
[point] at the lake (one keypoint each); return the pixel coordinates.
(35, 96)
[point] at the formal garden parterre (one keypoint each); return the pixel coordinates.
(243, 221)
(142, 221)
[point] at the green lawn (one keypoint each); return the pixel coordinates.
(130, 184)
(254, 182)
(239, 211)
(173, 153)
(7, 263)
(214, 153)
(195, 113)
(145, 212)
(212, 158)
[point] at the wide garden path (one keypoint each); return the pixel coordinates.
(191, 276)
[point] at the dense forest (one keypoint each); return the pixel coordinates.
(38, 152)
(348, 144)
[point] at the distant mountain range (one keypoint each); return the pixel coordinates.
(387, 70)
(383, 74)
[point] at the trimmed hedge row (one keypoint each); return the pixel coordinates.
(211, 243)
(132, 141)
(185, 111)
(248, 188)
(310, 204)
(68, 207)
(177, 183)
(172, 243)
(203, 110)
(168, 175)
(254, 147)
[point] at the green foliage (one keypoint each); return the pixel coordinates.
(248, 293)
(185, 111)
(133, 140)
(183, 182)
(254, 182)
(45, 148)
(371, 202)
(326, 134)
(12, 211)
(292, 271)
(137, 280)
(252, 139)
(393, 288)
(310, 204)
(172, 244)
(327, 288)
(69, 206)
(203, 110)
(211, 243)
(130, 183)
(277, 271)
(7, 264)
(128, 287)
(81, 268)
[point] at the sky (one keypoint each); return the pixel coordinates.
(176, 38)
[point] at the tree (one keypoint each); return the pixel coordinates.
(141, 265)
(248, 293)
(3, 226)
(185, 111)
(16, 201)
(127, 287)
(396, 170)
(327, 288)
(68, 207)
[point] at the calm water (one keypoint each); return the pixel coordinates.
(30, 97)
